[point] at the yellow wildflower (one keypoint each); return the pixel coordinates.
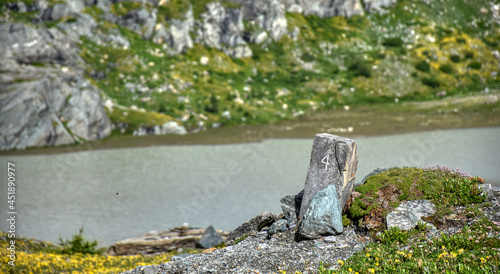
(340, 262)
(483, 260)
(371, 270)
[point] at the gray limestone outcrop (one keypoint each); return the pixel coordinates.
(51, 103)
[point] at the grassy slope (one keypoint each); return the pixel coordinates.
(473, 249)
(411, 52)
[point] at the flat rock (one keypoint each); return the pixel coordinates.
(408, 214)
(253, 226)
(156, 242)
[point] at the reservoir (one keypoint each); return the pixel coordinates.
(116, 194)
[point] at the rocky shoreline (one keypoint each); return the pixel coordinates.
(314, 231)
(264, 252)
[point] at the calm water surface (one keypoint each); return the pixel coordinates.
(122, 193)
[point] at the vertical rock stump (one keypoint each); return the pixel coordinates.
(329, 183)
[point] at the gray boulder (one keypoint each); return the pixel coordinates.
(278, 226)
(172, 127)
(210, 238)
(334, 161)
(408, 214)
(252, 226)
(323, 216)
(290, 205)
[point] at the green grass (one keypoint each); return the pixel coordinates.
(473, 249)
(439, 184)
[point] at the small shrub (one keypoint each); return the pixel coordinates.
(455, 58)
(432, 81)
(446, 68)
(423, 66)
(360, 68)
(469, 54)
(393, 42)
(475, 65)
(79, 245)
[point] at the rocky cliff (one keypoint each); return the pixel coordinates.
(66, 66)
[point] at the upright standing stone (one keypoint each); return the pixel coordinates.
(334, 161)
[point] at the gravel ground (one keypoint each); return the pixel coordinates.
(261, 253)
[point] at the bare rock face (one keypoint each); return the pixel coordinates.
(223, 29)
(48, 104)
(176, 35)
(268, 15)
(329, 183)
(330, 8)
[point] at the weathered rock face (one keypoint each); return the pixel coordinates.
(47, 104)
(177, 34)
(268, 15)
(140, 21)
(408, 214)
(223, 29)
